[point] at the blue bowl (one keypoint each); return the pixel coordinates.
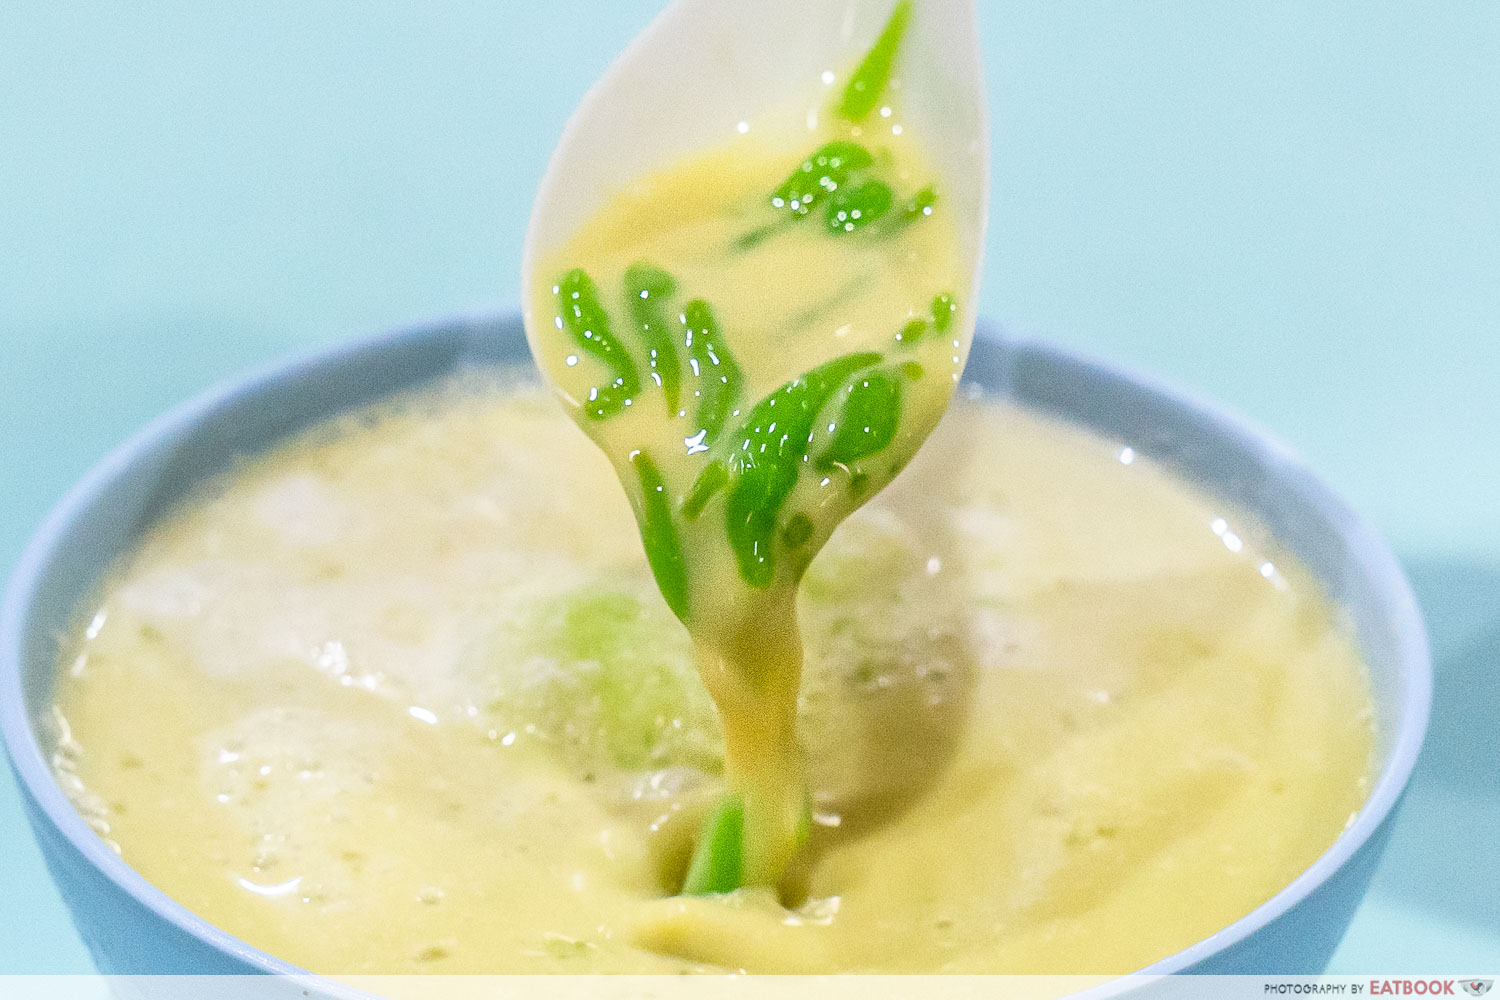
(130, 926)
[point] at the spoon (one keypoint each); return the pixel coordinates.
(729, 532)
(704, 66)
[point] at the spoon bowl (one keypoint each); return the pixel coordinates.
(847, 302)
(725, 63)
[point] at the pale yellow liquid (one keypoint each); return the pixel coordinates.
(1059, 717)
(797, 299)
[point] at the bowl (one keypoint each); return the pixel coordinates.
(131, 927)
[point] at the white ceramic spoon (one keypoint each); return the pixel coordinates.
(697, 77)
(704, 66)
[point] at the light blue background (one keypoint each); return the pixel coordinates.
(1290, 207)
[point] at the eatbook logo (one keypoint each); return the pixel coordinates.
(1477, 987)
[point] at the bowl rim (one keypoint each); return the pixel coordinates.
(1368, 550)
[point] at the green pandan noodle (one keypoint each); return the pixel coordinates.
(647, 290)
(718, 379)
(588, 323)
(868, 421)
(764, 460)
(869, 81)
(735, 489)
(824, 170)
(855, 206)
(659, 535)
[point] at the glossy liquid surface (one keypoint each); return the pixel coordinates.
(391, 700)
